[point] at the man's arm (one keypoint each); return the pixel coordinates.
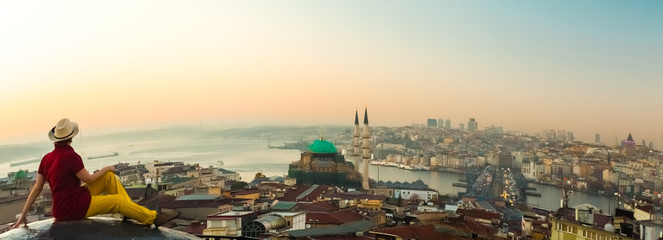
(34, 193)
(88, 178)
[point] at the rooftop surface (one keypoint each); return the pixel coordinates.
(93, 228)
(348, 228)
(197, 197)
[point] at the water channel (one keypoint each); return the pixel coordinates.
(442, 182)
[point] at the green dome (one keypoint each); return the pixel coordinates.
(20, 175)
(322, 146)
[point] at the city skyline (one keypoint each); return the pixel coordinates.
(585, 67)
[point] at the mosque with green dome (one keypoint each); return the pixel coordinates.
(323, 164)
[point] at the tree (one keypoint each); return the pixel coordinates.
(238, 185)
(415, 198)
(259, 175)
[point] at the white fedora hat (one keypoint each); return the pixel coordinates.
(64, 130)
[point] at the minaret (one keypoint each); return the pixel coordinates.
(366, 153)
(355, 142)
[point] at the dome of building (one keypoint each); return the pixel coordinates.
(322, 146)
(20, 175)
(608, 227)
(323, 164)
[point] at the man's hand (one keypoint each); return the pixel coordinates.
(109, 168)
(20, 220)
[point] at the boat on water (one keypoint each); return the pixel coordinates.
(391, 164)
(406, 167)
(14, 164)
(421, 168)
(377, 163)
(104, 156)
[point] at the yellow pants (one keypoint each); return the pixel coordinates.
(116, 200)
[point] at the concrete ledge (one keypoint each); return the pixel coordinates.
(93, 228)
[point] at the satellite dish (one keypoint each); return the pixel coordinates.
(308, 225)
(608, 227)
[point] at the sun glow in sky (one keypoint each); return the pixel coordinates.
(582, 66)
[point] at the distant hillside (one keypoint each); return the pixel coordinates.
(289, 133)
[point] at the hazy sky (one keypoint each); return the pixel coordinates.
(582, 66)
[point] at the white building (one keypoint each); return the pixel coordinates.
(229, 175)
(425, 195)
(528, 170)
(157, 168)
(610, 176)
(433, 161)
(227, 224)
(294, 220)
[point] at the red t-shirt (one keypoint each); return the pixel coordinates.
(59, 168)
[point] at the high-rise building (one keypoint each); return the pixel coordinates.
(597, 138)
(629, 142)
(461, 127)
(440, 123)
(561, 135)
(472, 125)
(506, 159)
(551, 135)
(569, 136)
(447, 123)
(431, 123)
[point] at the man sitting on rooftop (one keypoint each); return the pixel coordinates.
(63, 169)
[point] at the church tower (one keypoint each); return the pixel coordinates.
(355, 143)
(366, 153)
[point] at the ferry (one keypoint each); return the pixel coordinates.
(421, 168)
(406, 167)
(104, 156)
(391, 164)
(377, 163)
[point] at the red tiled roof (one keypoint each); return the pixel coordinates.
(646, 208)
(199, 203)
(420, 232)
(322, 206)
(272, 185)
(135, 192)
(166, 198)
(462, 225)
(247, 192)
(195, 228)
(343, 237)
(355, 196)
(601, 220)
(174, 170)
(566, 214)
(335, 218)
(292, 194)
(479, 213)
